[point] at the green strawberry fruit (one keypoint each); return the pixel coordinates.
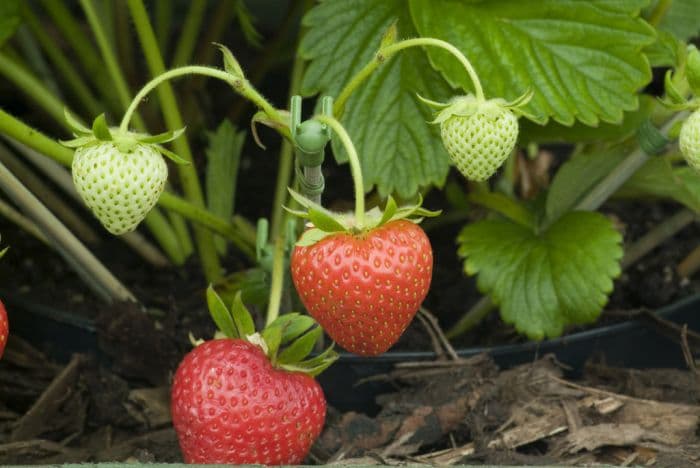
(689, 140)
(478, 135)
(120, 187)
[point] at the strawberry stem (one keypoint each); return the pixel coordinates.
(273, 306)
(355, 167)
(388, 51)
(240, 84)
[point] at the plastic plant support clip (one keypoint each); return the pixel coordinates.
(310, 139)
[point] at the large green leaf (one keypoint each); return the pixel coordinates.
(555, 132)
(398, 149)
(10, 19)
(581, 57)
(544, 282)
(223, 160)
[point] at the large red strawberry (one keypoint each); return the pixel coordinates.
(238, 401)
(364, 289)
(4, 328)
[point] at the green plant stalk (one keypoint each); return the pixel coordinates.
(277, 282)
(659, 12)
(216, 26)
(34, 139)
(162, 78)
(286, 162)
(210, 221)
(33, 88)
(190, 31)
(472, 318)
(78, 40)
(188, 174)
(163, 20)
(81, 91)
(618, 176)
(355, 167)
(167, 238)
(387, 52)
(110, 59)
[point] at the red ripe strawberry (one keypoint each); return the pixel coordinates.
(237, 400)
(364, 289)
(4, 328)
(229, 405)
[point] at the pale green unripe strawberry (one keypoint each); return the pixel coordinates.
(120, 187)
(689, 140)
(478, 135)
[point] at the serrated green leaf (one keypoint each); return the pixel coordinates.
(223, 162)
(657, 179)
(664, 52)
(544, 282)
(398, 151)
(241, 317)
(100, 128)
(554, 132)
(10, 18)
(300, 348)
(582, 58)
(220, 314)
(575, 178)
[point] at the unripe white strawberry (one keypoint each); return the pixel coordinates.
(478, 135)
(689, 140)
(120, 187)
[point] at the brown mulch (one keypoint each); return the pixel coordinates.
(444, 412)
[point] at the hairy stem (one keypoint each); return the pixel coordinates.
(387, 52)
(273, 306)
(355, 167)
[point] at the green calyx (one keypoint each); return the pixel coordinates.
(124, 141)
(686, 74)
(470, 104)
(287, 341)
(326, 222)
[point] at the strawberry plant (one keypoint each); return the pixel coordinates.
(404, 92)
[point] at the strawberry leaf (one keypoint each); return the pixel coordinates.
(172, 156)
(325, 221)
(220, 314)
(164, 137)
(300, 348)
(273, 339)
(582, 58)
(293, 325)
(681, 18)
(312, 236)
(398, 151)
(241, 317)
(75, 124)
(547, 281)
(658, 179)
(100, 128)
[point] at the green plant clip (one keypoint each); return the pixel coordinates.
(310, 138)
